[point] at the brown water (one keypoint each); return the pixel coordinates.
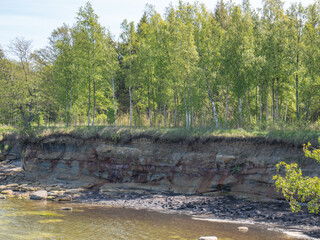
(40, 220)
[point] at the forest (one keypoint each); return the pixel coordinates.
(232, 67)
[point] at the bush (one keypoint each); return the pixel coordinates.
(295, 187)
(111, 117)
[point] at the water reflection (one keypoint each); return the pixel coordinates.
(39, 220)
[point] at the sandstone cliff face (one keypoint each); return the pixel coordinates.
(240, 167)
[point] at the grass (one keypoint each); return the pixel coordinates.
(6, 130)
(290, 135)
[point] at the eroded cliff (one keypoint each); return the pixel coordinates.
(240, 166)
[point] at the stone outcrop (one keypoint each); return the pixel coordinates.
(10, 153)
(239, 166)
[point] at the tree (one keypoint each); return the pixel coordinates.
(311, 57)
(129, 38)
(64, 70)
(209, 42)
(295, 187)
(92, 52)
(296, 15)
(21, 83)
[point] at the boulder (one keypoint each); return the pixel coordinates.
(16, 151)
(208, 238)
(39, 195)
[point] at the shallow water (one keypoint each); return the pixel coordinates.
(44, 220)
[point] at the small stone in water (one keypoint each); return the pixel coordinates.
(243, 229)
(66, 208)
(208, 238)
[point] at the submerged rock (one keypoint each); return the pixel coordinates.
(39, 195)
(243, 229)
(66, 208)
(63, 198)
(208, 238)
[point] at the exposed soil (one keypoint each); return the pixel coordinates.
(271, 214)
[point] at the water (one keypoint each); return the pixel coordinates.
(40, 220)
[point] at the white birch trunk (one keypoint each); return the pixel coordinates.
(285, 114)
(240, 112)
(213, 107)
(267, 108)
(260, 112)
(130, 93)
(226, 115)
(94, 103)
(114, 99)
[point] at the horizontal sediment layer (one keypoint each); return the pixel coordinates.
(239, 167)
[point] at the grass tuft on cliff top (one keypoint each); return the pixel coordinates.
(290, 135)
(6, 130)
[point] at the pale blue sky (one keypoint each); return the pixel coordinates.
(35, 19)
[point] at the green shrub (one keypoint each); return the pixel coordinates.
(295, 187)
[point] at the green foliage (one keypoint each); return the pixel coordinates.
(111, 117)
(102, 119)
(189, 67)
(295, 187)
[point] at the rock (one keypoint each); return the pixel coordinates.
(12, 185)
(64, 198)
(11, 156)
(39, 195)
(2, 157)
(66, 208)
(16, 151)
(2, 187)
(243, 229)
(2, 197)
(7, 192)
(73, 190)
(225, 158)
(208, 238)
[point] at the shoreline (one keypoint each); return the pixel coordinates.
(274, 215)
(158, 203)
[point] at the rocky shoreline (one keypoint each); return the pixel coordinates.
(271, 214)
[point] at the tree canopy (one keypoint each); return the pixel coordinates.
(190, 67)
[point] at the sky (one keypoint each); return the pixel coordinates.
(36, 19)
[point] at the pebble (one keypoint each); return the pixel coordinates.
(243, 229)
(64, 198)
(208, 238)
(66, 208)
